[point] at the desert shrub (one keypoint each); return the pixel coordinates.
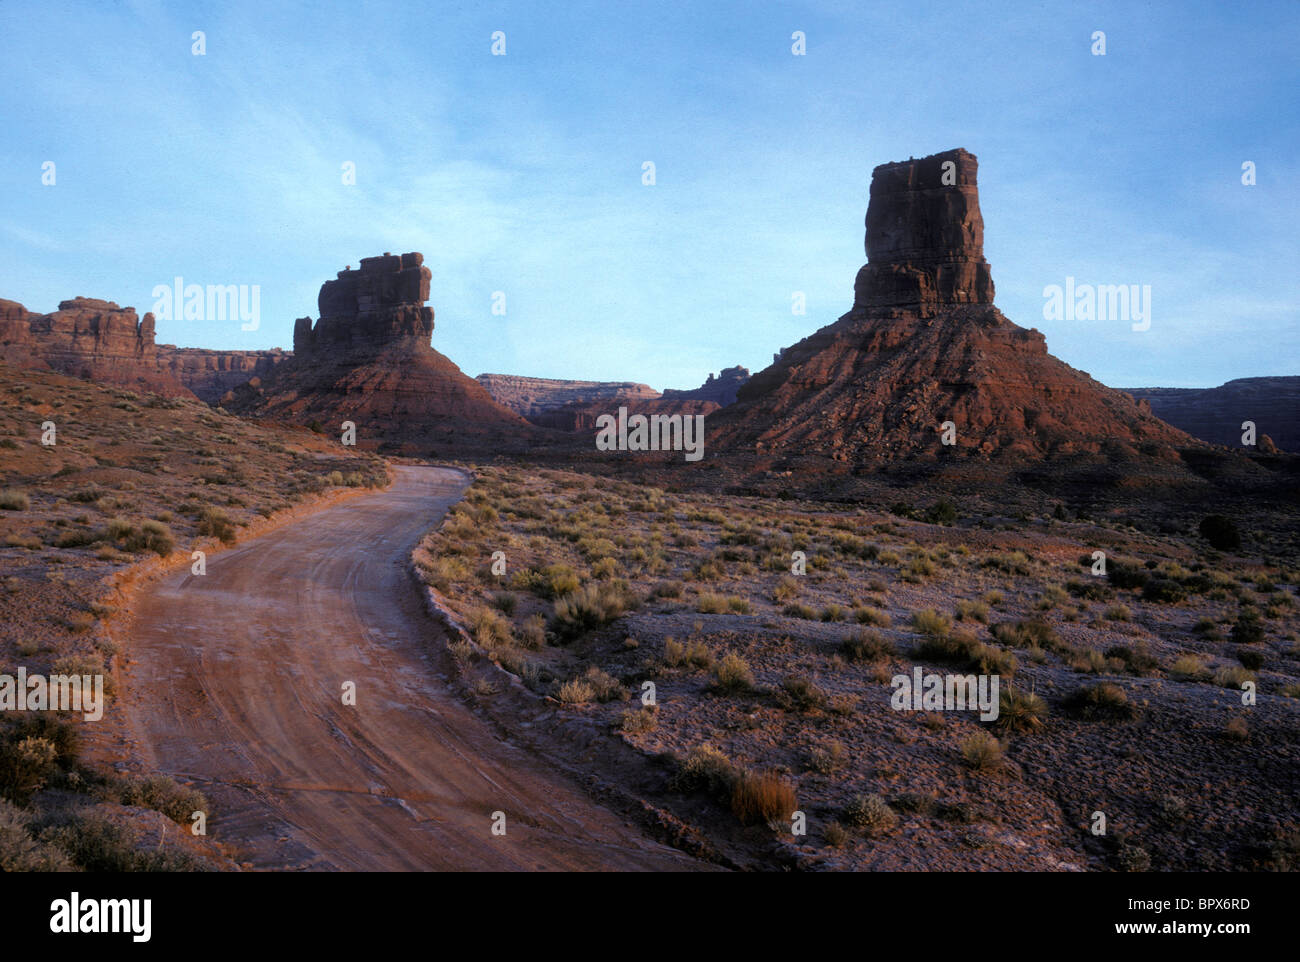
(1014, 563)
(150, 536)
(870, 813)
(532, 633)
(710, 604)
(1247, 629)
(866, 615)
(11, 500)
(604, 686)
(931, 623)
(693, 652)
(96, 844)
(1251, 659)
(669, 589)
(1221, 532)
(706, 769)
(1137, 660)
(1163, 590)
(786, 588)
(1089, 661)
(1028, 634)
(575, 691)
(800, 693)
(590, 607)
(1189, 668)
(213, 522)
(827, 758)
(835, 835)
(973, 611)
(1237, 729)
(1233, 677)
(1126, 575)
(26, 765)
(20, 851)
(763, 798)
(798, 609)
(504, 602)
(489, 627)
(637, 721)
(1091, 589)
(731, 675)
(867, 645)
(556, 581)
(163, 794)
(1020, 711)
(1102, 702)
(1118, 613)
(981, 752)
(942, 512)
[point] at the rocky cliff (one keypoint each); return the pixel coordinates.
(88, 338)
(924, 356)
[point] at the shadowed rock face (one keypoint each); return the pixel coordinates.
(211, 374)
(368, 360)
(924, 345)
(91, 339)
(380, 303)
(925, 236)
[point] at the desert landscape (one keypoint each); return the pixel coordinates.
(575, 579)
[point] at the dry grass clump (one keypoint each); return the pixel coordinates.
(764, 797)
(1020, 711)
(982, 752)
(706, 769)
(590, 607)
(1103, 702)
(731, 675)
(867, 645)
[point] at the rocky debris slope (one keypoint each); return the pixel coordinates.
(90, 339)
(721, 390)
(924, 345)
(1216, 414)
(534, 396)
(368, 360)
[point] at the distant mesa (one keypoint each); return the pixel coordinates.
(923, 345)
(368, 359)
(1215, 414)
(533, 397)
(575, 405)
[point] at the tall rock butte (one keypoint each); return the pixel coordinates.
(923, 345)
(368, 359)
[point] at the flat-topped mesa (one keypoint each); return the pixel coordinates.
(925, 236)
(381, 302)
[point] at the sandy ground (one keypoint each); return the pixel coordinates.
(235, 683)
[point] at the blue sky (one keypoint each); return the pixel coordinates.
(523, 173)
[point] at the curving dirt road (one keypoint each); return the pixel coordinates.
(237, 684)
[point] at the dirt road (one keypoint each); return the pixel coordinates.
(237, 682)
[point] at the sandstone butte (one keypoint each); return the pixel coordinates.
(923, 344)
(369, 360)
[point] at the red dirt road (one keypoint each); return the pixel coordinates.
(236, 684)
